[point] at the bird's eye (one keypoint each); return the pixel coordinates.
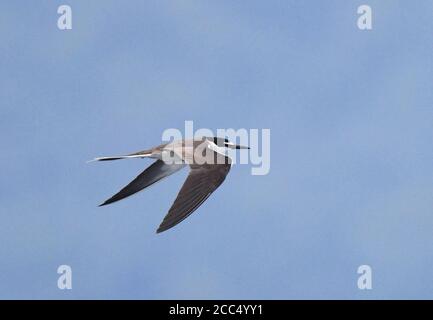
(226, 140)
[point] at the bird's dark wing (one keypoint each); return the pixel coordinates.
(152, 174)
(199, 185)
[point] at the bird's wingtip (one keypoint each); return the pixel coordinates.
(160, 229)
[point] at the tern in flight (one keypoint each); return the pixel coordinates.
(208, 164)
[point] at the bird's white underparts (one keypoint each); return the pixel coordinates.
(208, 163)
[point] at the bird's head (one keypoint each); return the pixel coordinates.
(225, 143)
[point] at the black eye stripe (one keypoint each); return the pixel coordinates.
(220, 141)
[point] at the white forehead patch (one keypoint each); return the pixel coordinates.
(221, 150)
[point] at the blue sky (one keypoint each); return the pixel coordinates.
(350, 114)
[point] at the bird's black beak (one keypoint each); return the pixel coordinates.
(241, 147)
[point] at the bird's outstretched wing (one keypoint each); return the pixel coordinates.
(199, 185)
(152, 174)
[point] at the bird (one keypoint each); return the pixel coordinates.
(208, 163)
